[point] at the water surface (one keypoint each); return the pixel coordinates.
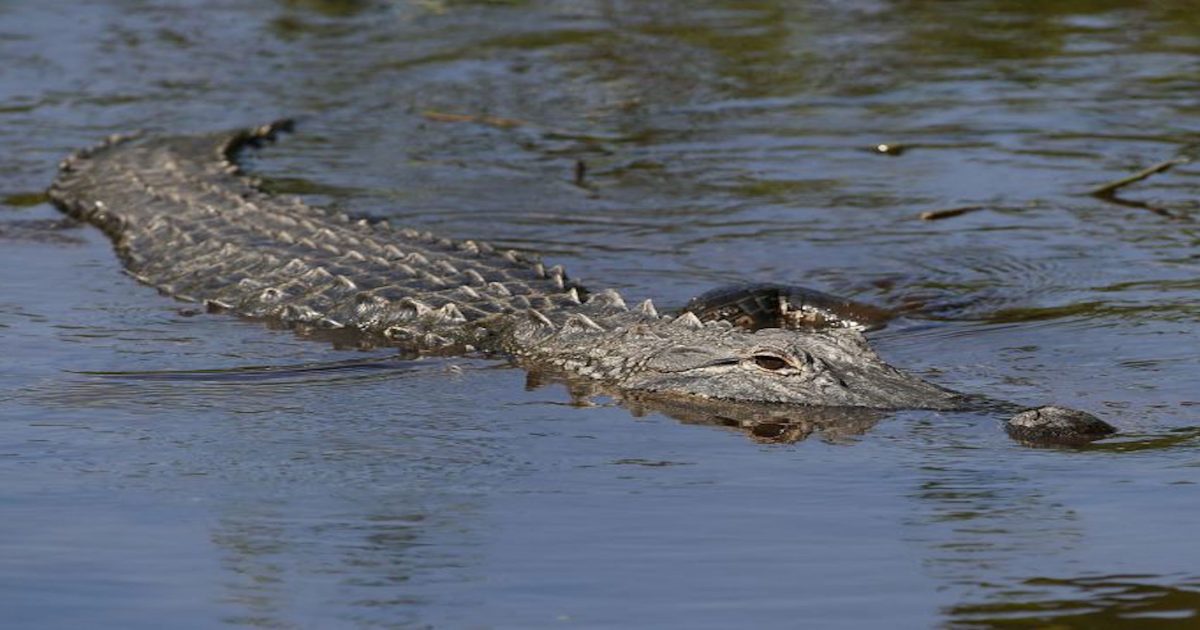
(213, 472)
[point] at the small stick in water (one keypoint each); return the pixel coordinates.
(494, 121)
(946, 213)
(1108, 189)
(580, 173)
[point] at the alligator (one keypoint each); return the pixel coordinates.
(185, 219)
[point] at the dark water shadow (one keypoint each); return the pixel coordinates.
(1107, 601)
(239, 389)
(1181, 437)
(321, 370)
(765, 423)
(43, 231)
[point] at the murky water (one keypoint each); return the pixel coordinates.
(203, 471)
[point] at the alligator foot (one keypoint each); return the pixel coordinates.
(1052, 425)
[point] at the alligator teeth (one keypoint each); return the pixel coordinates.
(647, 308)
(573, 295)
(690, 320)
(539, 270)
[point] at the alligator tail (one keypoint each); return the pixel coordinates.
(119, 158)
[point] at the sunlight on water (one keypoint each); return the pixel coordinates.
(161, 466)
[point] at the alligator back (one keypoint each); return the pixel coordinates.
(185, 220)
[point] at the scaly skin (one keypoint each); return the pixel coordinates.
(185, 220)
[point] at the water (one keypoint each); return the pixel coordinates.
(202, 471)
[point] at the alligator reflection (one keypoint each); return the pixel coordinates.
(267, 551)
(1087, 602)
(784, 424)
(47, 231)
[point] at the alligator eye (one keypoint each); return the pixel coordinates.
(769, 362)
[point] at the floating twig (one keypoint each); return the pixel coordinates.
(946, 213)
(494, 121)
(1108, 189)
(1129, 203)
(581, 173)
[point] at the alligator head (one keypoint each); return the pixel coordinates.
(831, 368)
(782, 344)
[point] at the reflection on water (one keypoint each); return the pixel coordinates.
(1105, 601)
(269, 554)
(768, 424)
(663, 148)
